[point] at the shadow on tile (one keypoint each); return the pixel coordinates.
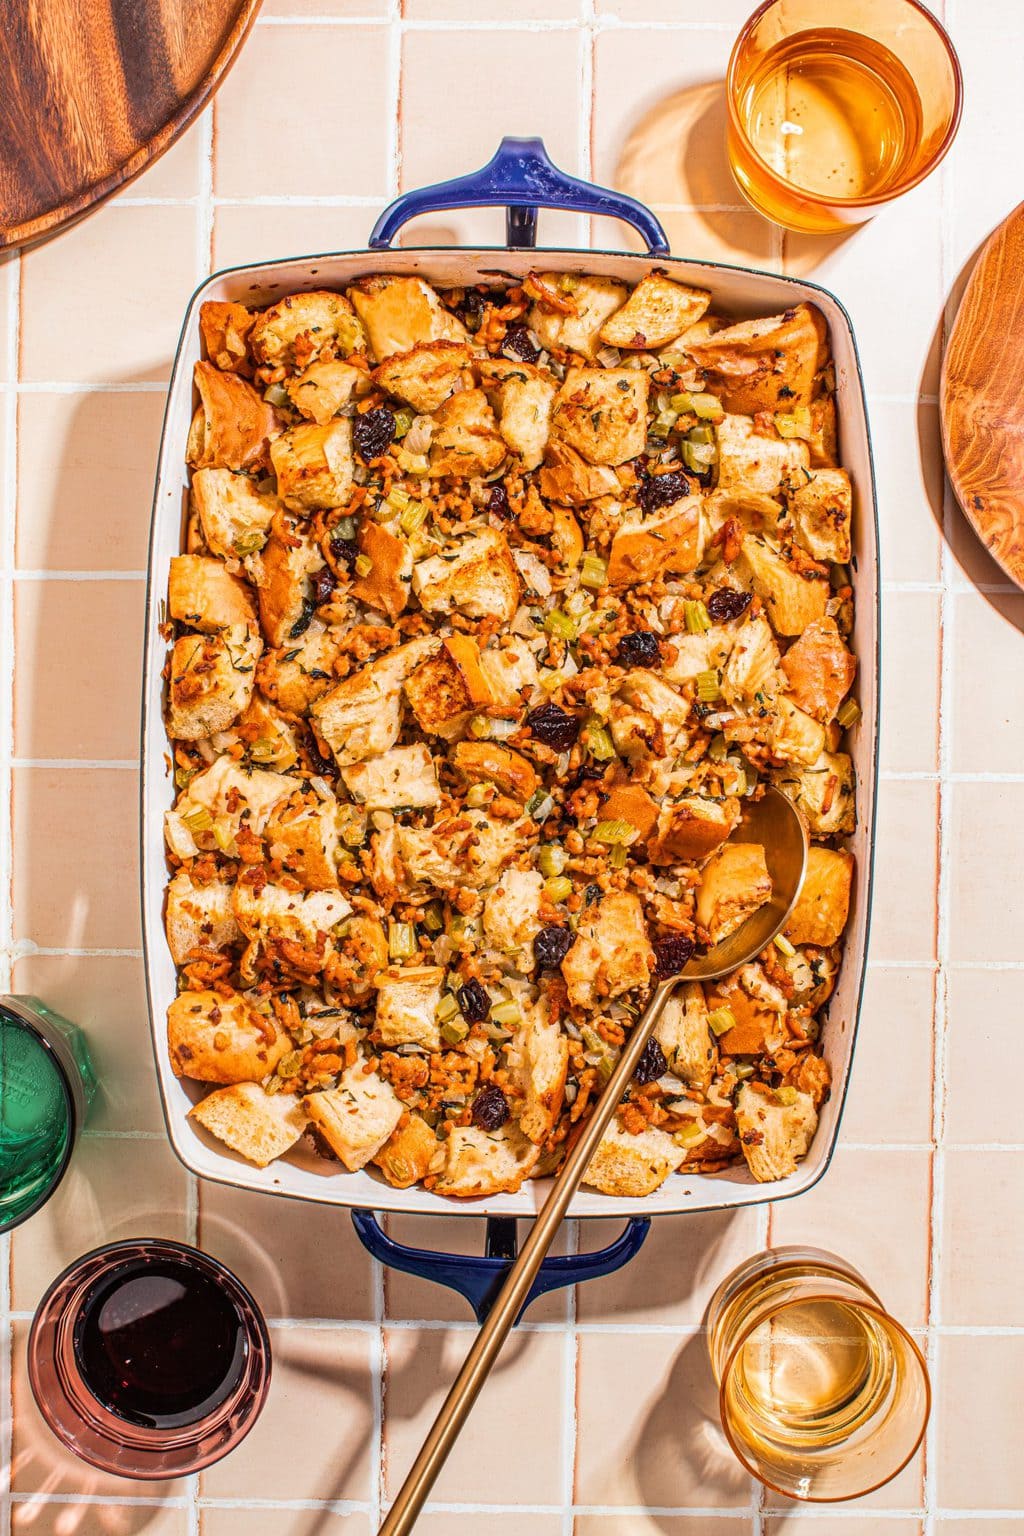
(691, 1441)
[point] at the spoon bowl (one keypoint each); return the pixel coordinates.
(778, 826)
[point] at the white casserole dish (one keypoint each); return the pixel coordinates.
(737, 291)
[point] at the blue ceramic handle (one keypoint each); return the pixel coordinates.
(480, 1279)
(521, 178)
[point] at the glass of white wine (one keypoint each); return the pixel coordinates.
(823, 1395)
(837, 106)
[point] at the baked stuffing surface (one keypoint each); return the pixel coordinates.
(495, 604)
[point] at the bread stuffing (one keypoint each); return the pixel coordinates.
(497, 605)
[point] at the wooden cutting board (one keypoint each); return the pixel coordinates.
(92, 91)
(982, 397)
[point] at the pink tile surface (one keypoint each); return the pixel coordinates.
(600, 1419)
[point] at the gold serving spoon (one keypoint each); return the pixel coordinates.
(777, 825)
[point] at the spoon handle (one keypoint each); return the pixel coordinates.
(476, 1367)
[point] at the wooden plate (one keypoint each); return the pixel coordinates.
(982, 397)
(92, 91)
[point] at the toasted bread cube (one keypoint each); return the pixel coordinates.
(655, 311)
(425, 375)
(510, 668)
(699, 653)
(753, 664)
(199, 917)
(539, 1059)
(276, 912)
(266, 736)
(233, 515)
(313, 464)
(819, 670)
(250, 792)
(480, 580)
(793, 736)
(684, 1034)
(567, 477)
(401, 312)
(304, 325)
(512, 913)
(632, 1166)
(602, 413)
(754, 511)
(211, 682)
(824, 792)
(523, 396)
(466, 440)
(448, 856)
(822, 510)
(259, 1126)
(749, 462)
(573, 320)
(202, 593)
(670, 543)
(299, 672)
(824, 438)
(362, 716)
(305, 840)
(478, 1162)
(406, 1157)
(648, 718)
(447, 687)
(386, 583)
(612, 953)
(404, 776)
(823, 905)
(233, 426)
(768, 364)
(216, 1039)
(225, 331)
(774, 1136)
(407, 1003)
(792, 601)
(692, 828)
(482, 762)
(632, 803)
(734, 883)
(281, 571)
(320, 391)
(357, 1117)
(758, 1008)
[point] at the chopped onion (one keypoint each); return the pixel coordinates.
(609, 357)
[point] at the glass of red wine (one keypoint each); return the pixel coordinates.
(149, 1359)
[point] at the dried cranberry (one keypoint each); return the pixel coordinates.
(652, 1063)
(640, 649)
(656, 491)
(551, 946)
(344, 549)
(497, 503)
(374, 432)
(490, 1108)
(517, 340)
(726, 604)
(324, 766)
(323, 584)
(584, 774)
(474, 1002)
(553, 726)
(672, 954)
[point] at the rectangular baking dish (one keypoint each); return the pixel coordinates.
(521, 177)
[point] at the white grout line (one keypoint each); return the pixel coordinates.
(378, 1366)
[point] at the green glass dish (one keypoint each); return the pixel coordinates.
(46, 1086)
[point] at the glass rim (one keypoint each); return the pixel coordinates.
(821, 200)
(877, 1311)
(17, 1019)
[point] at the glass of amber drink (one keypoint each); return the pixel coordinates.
(837, 106)
(823, 1395)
